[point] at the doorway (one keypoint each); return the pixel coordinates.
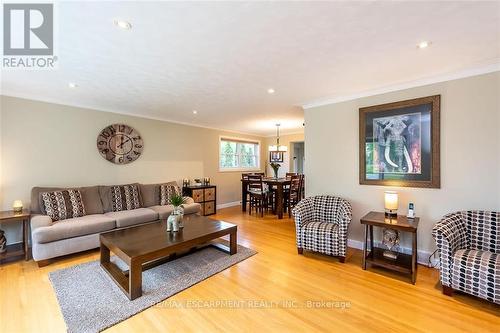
(297, 157)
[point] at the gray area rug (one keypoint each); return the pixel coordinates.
(91, 302)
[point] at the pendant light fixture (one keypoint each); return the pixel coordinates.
(277, 147)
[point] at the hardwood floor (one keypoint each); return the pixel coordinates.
(277, 277)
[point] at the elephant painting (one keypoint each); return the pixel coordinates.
(397, 144)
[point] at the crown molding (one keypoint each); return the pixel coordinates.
(495, 67)
(48, 100)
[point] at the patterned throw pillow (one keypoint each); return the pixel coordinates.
(61, 205)
(125, 197)
(166, 192)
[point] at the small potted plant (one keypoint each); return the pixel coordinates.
(174, 221)
(275, 167)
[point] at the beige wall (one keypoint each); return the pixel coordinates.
(55, 145)
(470, 153)
(285, 140)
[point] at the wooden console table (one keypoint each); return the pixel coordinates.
(16, 250)
(404, 263)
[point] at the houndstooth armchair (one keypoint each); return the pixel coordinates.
(322, 223)
(469, 247)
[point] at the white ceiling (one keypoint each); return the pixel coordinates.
(220, 58)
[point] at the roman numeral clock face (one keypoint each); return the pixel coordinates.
(120, 144)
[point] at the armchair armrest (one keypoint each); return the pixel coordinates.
(38, 221)
(303, 212)
(345, 218)
(450, 234)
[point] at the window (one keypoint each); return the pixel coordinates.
(238, 155)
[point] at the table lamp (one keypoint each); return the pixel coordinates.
(391, 203)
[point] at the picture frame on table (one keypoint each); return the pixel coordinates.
(276, 156)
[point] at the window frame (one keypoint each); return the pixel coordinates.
(241, 140)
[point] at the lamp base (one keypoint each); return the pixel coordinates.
(17, 209)
(391, 213)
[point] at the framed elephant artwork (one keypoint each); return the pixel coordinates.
(399, 143)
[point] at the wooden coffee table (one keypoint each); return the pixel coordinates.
(149, 245)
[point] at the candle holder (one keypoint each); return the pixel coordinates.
(17, 206)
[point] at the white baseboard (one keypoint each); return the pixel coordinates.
(422, 256)
(229, 204)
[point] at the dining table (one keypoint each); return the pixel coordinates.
(277, 184)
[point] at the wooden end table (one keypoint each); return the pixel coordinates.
(404, 263)
(16, 250)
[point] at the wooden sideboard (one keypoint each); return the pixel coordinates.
(205, 195)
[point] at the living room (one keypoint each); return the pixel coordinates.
(167, 165)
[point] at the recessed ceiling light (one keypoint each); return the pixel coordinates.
(270, 91)
(123, 24)
(195, 112)
(423, 44)
(72, 85)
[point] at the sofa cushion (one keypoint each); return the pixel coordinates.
(167, 191)
(90, 196)
(107, 192)
(62, 205)
(127, 218)
(78, 226)
(164, 211)
(149, 194)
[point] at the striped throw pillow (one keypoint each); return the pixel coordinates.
(61, 205)
(166, 192)
(125, 197)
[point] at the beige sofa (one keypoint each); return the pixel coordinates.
(53, 239)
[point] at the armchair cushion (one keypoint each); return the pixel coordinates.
(477, 273)
(320, 237)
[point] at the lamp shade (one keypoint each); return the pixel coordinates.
(391, 200)
(278, 148)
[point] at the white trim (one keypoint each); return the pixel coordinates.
(164, 119)
(240, 139)
(407, 85)
(229, 204)
(422, 256)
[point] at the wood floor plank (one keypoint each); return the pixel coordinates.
(277, 285)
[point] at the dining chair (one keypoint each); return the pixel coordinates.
(294, 194)
(290, 174)
(302, 186)
(258, 194)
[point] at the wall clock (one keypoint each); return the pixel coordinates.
(120, 144)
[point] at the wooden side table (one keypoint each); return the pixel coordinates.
(16, 250)
(404, 263)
